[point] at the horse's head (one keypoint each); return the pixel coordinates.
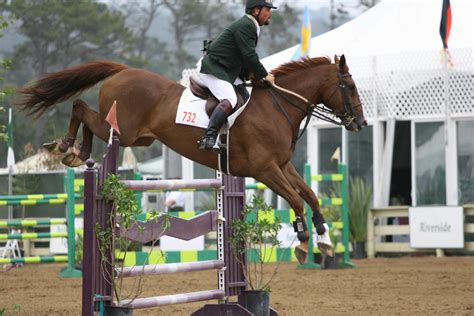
(342, 97)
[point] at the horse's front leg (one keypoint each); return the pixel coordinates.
(274, 178)
(323, 240)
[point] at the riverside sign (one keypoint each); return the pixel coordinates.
(436, 227)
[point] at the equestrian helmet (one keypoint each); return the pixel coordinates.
(259, 3)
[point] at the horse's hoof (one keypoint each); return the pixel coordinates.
(324, 242)
(52, 148)
(326, 249)
(71, 160)
(301, 254)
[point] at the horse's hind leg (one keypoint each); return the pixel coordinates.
(74, 160)
(92, 124)
(68, 140)
(323, 242)
(274, 178)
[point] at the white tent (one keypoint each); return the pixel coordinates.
(391, 27)
(153, 166)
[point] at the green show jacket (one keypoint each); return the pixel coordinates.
(233, 53)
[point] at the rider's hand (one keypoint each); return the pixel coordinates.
(270, 79)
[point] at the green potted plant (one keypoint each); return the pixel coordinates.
(254, 237)
(360, 197)
(125, 210)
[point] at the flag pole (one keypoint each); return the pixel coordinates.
(445, 29)
(112, 120)
(10, 166)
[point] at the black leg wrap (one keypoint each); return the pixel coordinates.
(300, 228)
(318, 221)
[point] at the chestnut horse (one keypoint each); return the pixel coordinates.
(263, 137)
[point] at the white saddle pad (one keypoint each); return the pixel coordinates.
(192, 110)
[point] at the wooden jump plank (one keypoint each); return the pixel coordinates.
(183, 229)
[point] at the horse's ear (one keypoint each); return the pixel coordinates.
(342, 62)
(336, 59)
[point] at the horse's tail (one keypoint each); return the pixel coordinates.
(59, 86)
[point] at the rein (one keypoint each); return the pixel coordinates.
(318, 111)
(312, 110)
(308, 112)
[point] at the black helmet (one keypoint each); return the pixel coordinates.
(259, 3)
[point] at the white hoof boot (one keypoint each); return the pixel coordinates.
(324, 242)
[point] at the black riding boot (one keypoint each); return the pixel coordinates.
(216, 121)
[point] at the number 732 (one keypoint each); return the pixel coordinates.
(189, 117)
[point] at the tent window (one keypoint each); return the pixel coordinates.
(430, 164)
(360, 150)
(465, 161)
(329, 140)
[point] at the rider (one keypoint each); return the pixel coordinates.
(229, 59)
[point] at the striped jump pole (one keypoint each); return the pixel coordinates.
(33, 235)
(342, 201)
(32, 202)
(38, 259)
(172, 185)
(156, 301)
(171, 268)
(32, 222)
(4, 198)
(255, 186)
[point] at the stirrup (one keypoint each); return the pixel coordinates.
(216, 148)
(204, 143)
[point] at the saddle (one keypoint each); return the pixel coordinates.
(202, 92)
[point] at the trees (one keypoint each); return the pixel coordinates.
(4, 92)
(144, 50)
(283, 31)
(60, 33)
(186, 20)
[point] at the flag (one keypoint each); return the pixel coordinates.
(303, 49)
(445, 25)
(11, 154)
(112, 117)
(336, 155)
(112, 120)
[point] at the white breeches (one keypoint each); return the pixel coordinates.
(221, 89)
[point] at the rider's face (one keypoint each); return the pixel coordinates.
(265, 15)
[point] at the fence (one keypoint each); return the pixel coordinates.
(68, 199)
(97, 290)
(376, 233)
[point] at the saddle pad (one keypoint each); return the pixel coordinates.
(192, 110)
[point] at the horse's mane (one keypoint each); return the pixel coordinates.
(300, 64)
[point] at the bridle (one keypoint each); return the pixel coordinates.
(348, 116)
(319, 111)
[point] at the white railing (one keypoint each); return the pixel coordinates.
(377, 231)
